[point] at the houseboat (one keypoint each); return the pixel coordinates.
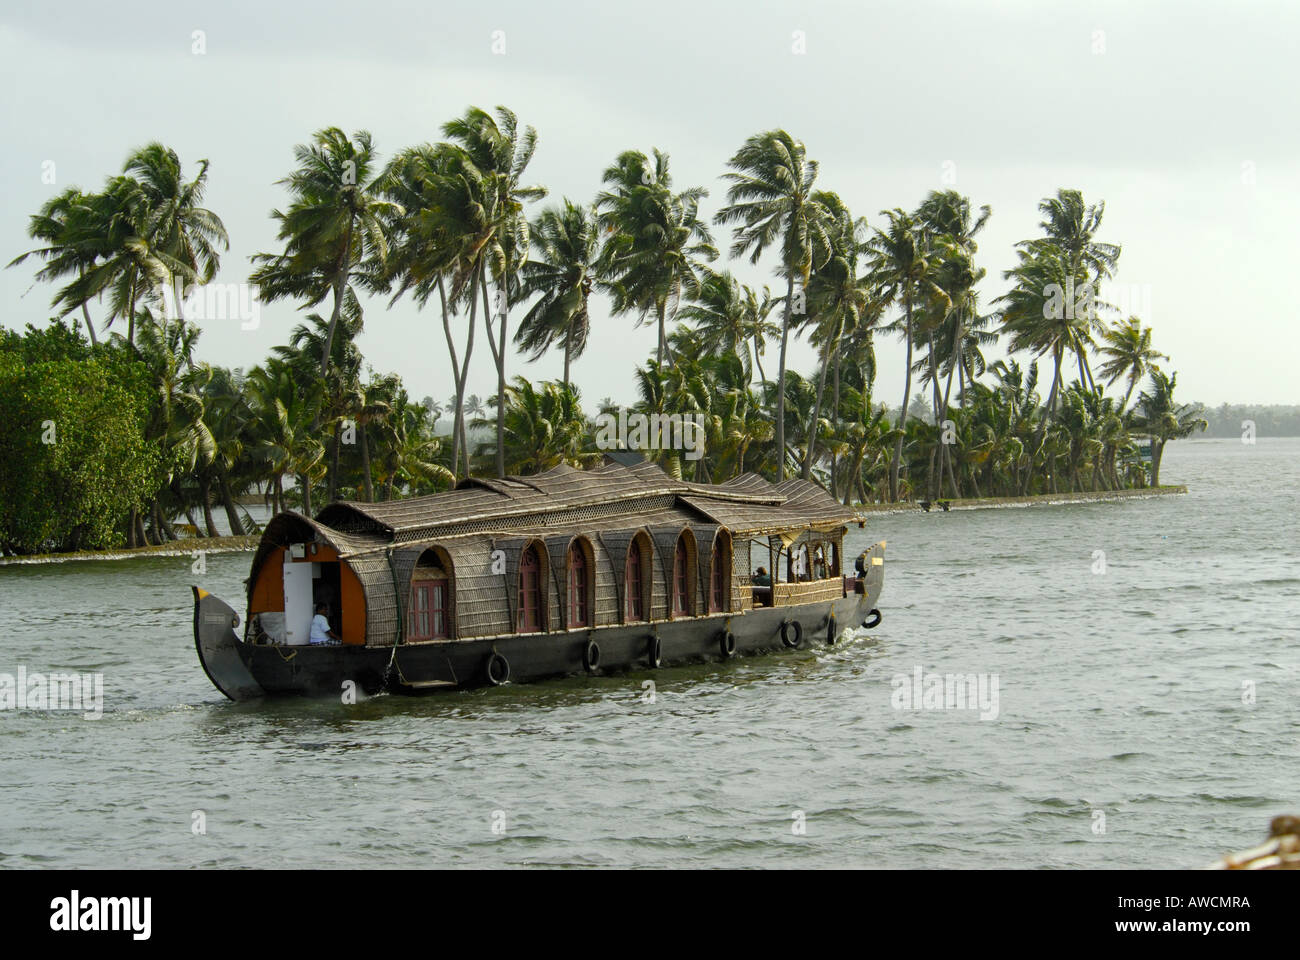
(621, 567)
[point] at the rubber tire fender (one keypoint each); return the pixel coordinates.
(498, 669)
(655, 651)
(870, 623)
(727, 644)
(786, 631)
(591, 656)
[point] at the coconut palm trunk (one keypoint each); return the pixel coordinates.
(228, 501)
(205, 500)
(340, 286)
(365, 466)
(1048, 414)
(780, 379)
(806, 473)
(907, 397)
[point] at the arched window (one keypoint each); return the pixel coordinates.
(718, 577)
(531, 614)
(681, 581)
(633, 583)
(428, 619)
(577, 586)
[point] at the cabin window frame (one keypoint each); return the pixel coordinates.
(580, 593)
(522, 625)
(431, 610)
(638, 589)
(683, 577)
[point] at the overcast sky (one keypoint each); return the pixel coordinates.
(1181, 116)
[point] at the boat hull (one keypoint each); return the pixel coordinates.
(244, 671)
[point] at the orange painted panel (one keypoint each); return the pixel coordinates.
(353, 600)
(268, 589)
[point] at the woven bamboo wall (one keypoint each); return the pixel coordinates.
(376, 578)
(481, 598)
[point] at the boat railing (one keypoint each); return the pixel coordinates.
(809, 591)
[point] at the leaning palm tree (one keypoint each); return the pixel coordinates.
(1038, 321)
(838, 300)
(500, 153)
(900, 267)
(335, 229)
(185, 233)
(69, 248)
(130, 266)
(655, 245)
(1159, 417)
(1070, 227)
(1128, 349)
(728, 317)
(770, 203)
(561, 276)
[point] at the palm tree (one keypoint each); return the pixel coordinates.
(226, 414)
(1161, 419)
(438, 243)
(1128, 347)
(770, 202)
(335, 230)
(899, 264)
(281, 428)
(129, 265)
(655, 242)
(339, 390)
(561, 277)
(948, 217)
(184, 233)
(838, 299)
(728, 317)
(145, 229)
(544, 427)
(1070, 227)
(177, 425)
(406, 451)
(69, 247)
(501, 154)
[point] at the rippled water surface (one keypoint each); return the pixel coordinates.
(1120, 693)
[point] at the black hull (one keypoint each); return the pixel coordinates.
(245, 671)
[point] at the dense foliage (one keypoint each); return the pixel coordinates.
(147, 433)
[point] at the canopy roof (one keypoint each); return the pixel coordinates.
(747, 504)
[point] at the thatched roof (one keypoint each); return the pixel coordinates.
(609, 495)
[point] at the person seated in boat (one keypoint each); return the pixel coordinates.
(321, 634)
(762, 578)
(819, 565)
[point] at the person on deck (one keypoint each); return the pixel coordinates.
(762, 578)
(321, 634)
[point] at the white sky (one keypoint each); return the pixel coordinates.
(1184, 122)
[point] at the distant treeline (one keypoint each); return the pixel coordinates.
(1270, 421)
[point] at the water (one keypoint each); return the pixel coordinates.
(1120, 693)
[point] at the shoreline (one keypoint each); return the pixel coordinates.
(248, 542)
(176, 548)
(1038, 499)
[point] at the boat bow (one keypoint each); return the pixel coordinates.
(218, 646)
